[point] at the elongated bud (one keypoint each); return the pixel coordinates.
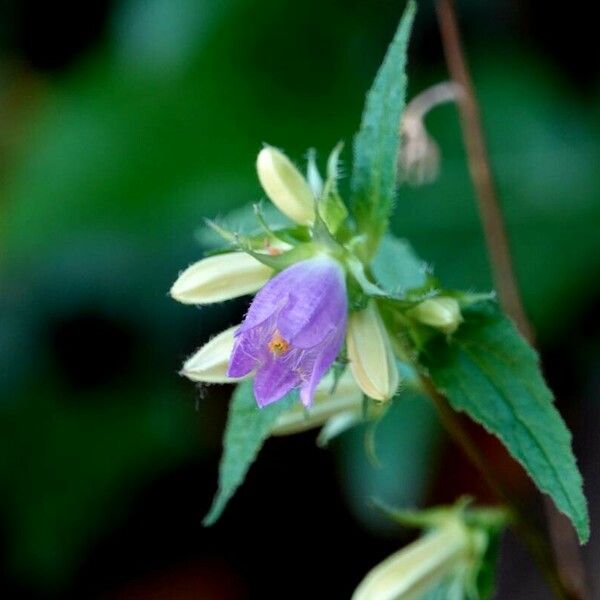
(346, 399)
(209, 364)
(417, 568)
(285, 185)
(370, 352)
(219, 278)
(442, 313)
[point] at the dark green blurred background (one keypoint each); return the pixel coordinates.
(122, 125)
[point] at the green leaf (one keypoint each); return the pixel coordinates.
(488, 371)
(396, 266)
(247, 428)
(376, 143)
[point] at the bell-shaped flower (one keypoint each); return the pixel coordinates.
(219, 278)
(370, 353)
(285, 186)
(209, 364)
(293, 331)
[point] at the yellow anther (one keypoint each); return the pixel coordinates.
(278, 345)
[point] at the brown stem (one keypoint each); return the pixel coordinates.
(564, 543)
(481, 174)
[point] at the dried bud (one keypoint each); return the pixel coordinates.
(219, 278)
(285, 185)
(419, 155)
(442, 313)
(209, 364)
(370, 352)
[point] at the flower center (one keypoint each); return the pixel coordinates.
(278, 345)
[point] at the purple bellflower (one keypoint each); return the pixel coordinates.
(293, 331)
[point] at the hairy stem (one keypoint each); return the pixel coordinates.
(564, 543)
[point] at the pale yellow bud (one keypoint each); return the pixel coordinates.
(370, 353)
(443, 313)
(416, 569)
(285, 185)
(209, 364)
(347, 399)
(219, 278)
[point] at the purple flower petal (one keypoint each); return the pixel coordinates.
(328, 354)
(244, 357)
(274, 380)
(293, 331)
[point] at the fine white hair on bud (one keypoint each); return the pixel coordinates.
(219, 278)
(370, 353)
(285, 186)
(419, 155)
(419, 567)
(313, 177)
(209, 364)
(442, 313)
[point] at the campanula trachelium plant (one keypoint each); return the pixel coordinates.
(345, 318)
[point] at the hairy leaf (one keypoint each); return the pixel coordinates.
(396, 266)
(247, 428)
(376, 143)
(488, 371)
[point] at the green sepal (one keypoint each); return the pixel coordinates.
(282, 261)
(373, 413)
(289, 235)
(331, 206)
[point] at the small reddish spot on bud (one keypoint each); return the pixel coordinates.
(278, 345)
(270, 249)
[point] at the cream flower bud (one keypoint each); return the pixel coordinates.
(443, 313)
(219, 278)
(209, 364)
(416, 569)
(371, 356)
(285, 185)
(346, 399)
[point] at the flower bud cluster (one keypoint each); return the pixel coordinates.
(298, 321)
